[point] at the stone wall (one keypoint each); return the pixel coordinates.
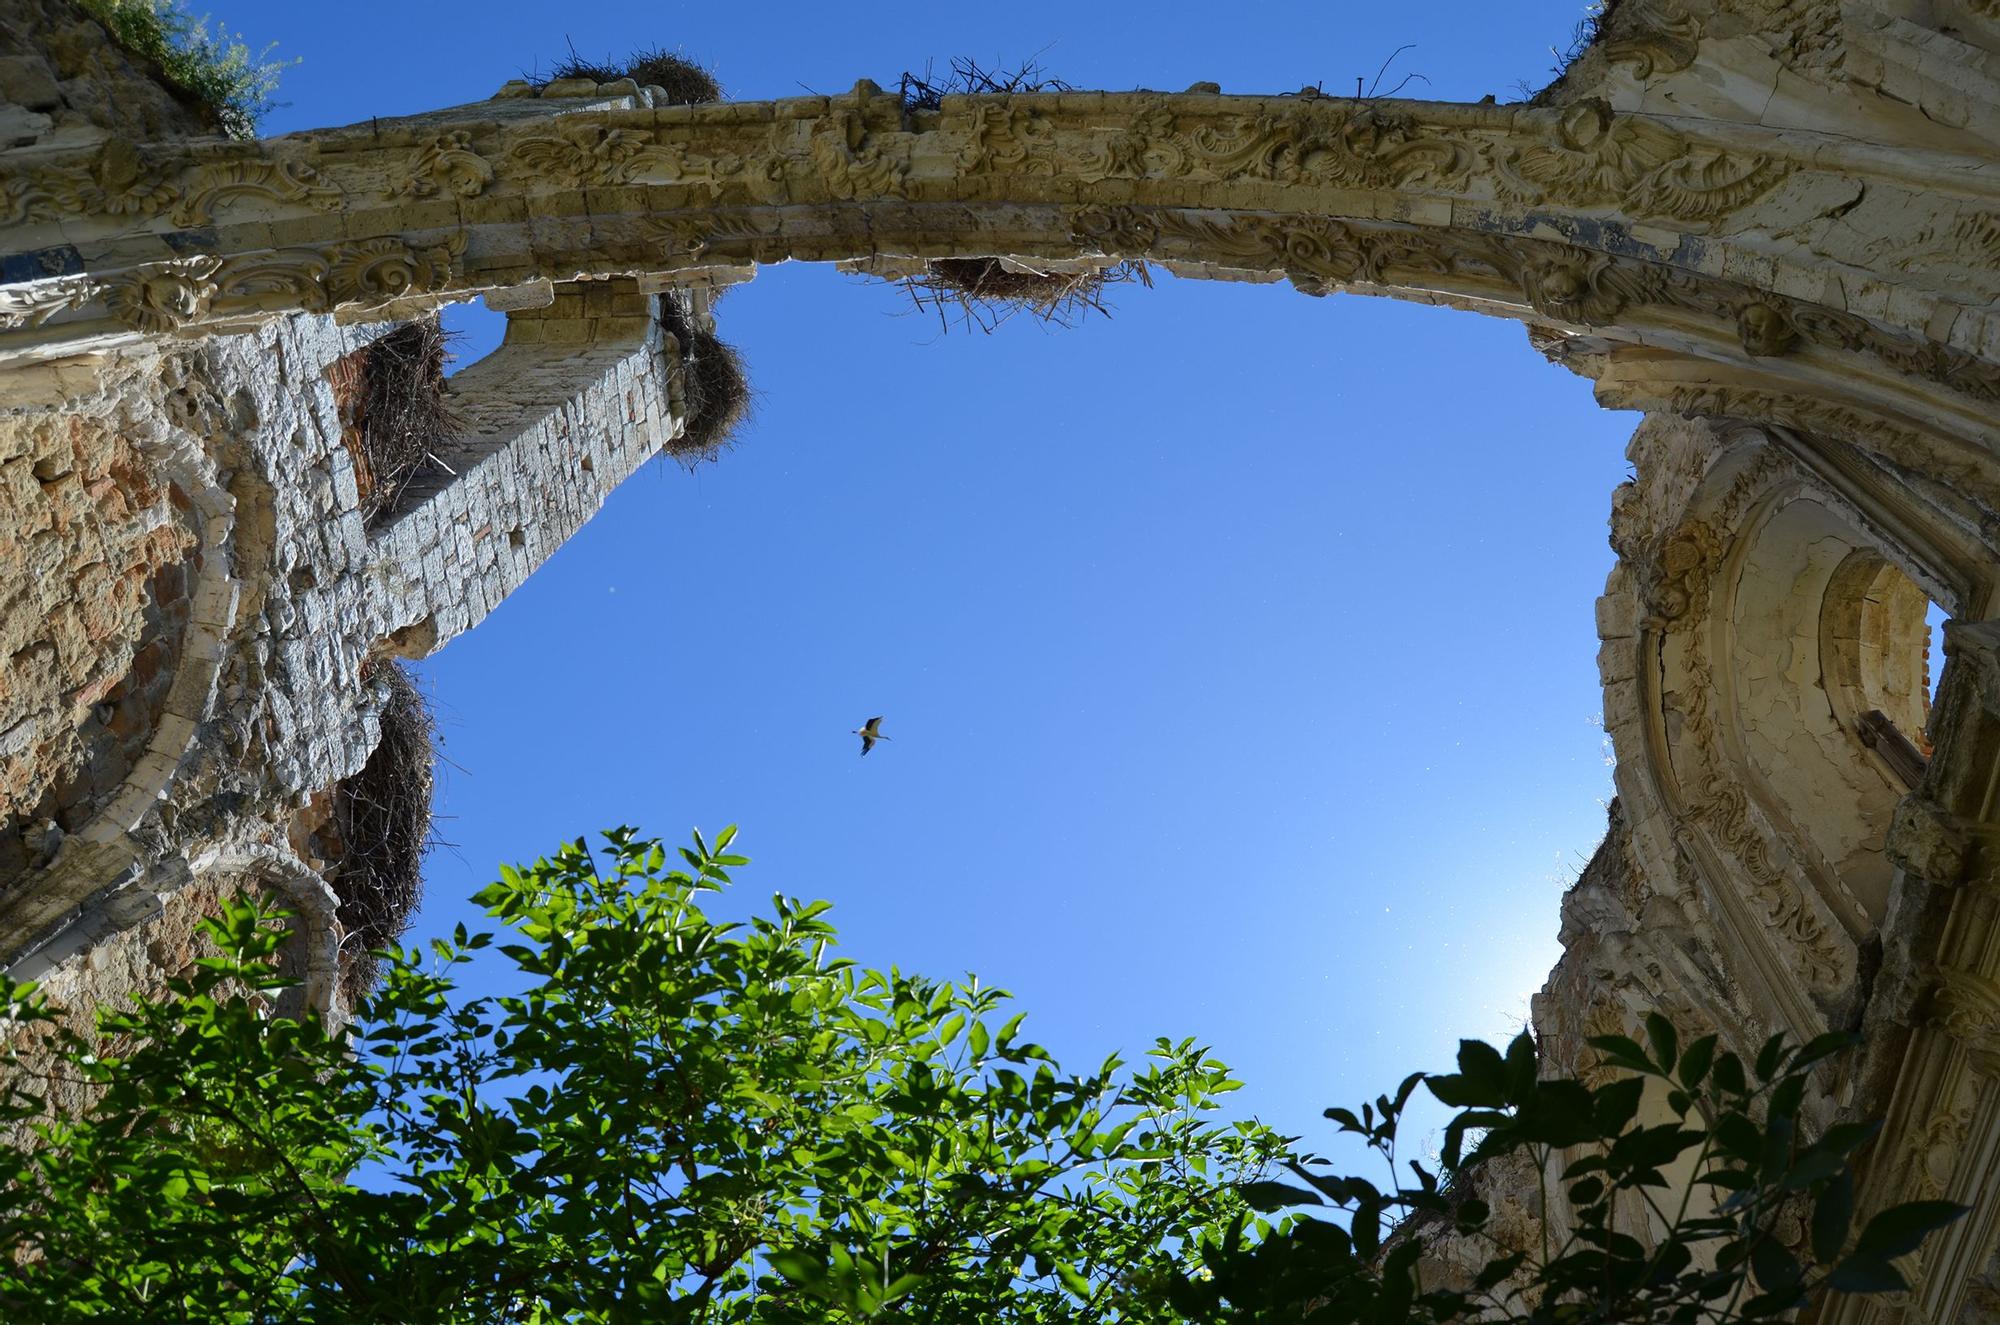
(94, 580)
(1769, 226)
(261, 701)
(62, 79)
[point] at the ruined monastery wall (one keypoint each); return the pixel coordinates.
(1773, 228)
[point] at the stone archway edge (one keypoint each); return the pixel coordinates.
(1579, 216)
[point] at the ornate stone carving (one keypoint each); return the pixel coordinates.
(1007, 138)
(1654, 39)
(368, 273)
(32, 305)
(1593, 156)
(276, 181)
(577, 153)
(1675, 579)
(1932, 1151)
(1906, 446)
(446, 164)
(116, 181)
(163, 296)
(1578, 285)
(376, 270)
(1765, 330)
(1314, 141)
(1966, 1006)
(851, 164)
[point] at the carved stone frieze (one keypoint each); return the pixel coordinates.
(1596, 157)
(1653, 37)
(1004, 139)
(279, 181)
(446, 164)
(116, 180)
(1498, 199)
(23, 306)
(163, 296)
(1715, 802)
(854, 163)
(577, 152)
(1966, 1006)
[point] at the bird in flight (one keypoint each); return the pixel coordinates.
(870, 732)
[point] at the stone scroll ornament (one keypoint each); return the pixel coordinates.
(1498, 201)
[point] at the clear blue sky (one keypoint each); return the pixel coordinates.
(1237, 652)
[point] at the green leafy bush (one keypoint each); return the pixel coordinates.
(676, 1119)
(215, 68)
(1732, 1133)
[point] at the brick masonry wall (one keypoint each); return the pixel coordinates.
(243, 556)
(94, 579)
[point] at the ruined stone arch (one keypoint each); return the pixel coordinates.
(1774, 228)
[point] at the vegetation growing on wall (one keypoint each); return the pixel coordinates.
(213, 67)
(675, 1119)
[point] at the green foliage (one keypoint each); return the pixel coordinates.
(674, 1119)
(216, 69)
(1732, 1136)
(677, 1119)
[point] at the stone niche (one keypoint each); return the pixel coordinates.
(95, 573)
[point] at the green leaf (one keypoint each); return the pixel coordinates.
(1822, 1046)
(1483, 1070)
(1521, 1067)
(1866, 1274)
(1614, 1105)
(801, 1268)
(1845, 1138)
(1495, 1271)
(1775, 1267)
(1832, 1214)
(1666, 1044)
(1695, 1063)
(1900, 1229)
(1621, 1051)
(1267, 1195)
(1770, 1056)
(1812, 1167)
(1073, 1280)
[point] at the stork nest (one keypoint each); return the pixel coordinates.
(382, 816)
(984, 292)
(685, 82)
(401, 417)
(715, 387)
(966, 77)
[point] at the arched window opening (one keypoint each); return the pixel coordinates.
(1879, 627)
(1831, 678)
(1934, 621)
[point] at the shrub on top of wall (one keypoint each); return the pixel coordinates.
(215, 68)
